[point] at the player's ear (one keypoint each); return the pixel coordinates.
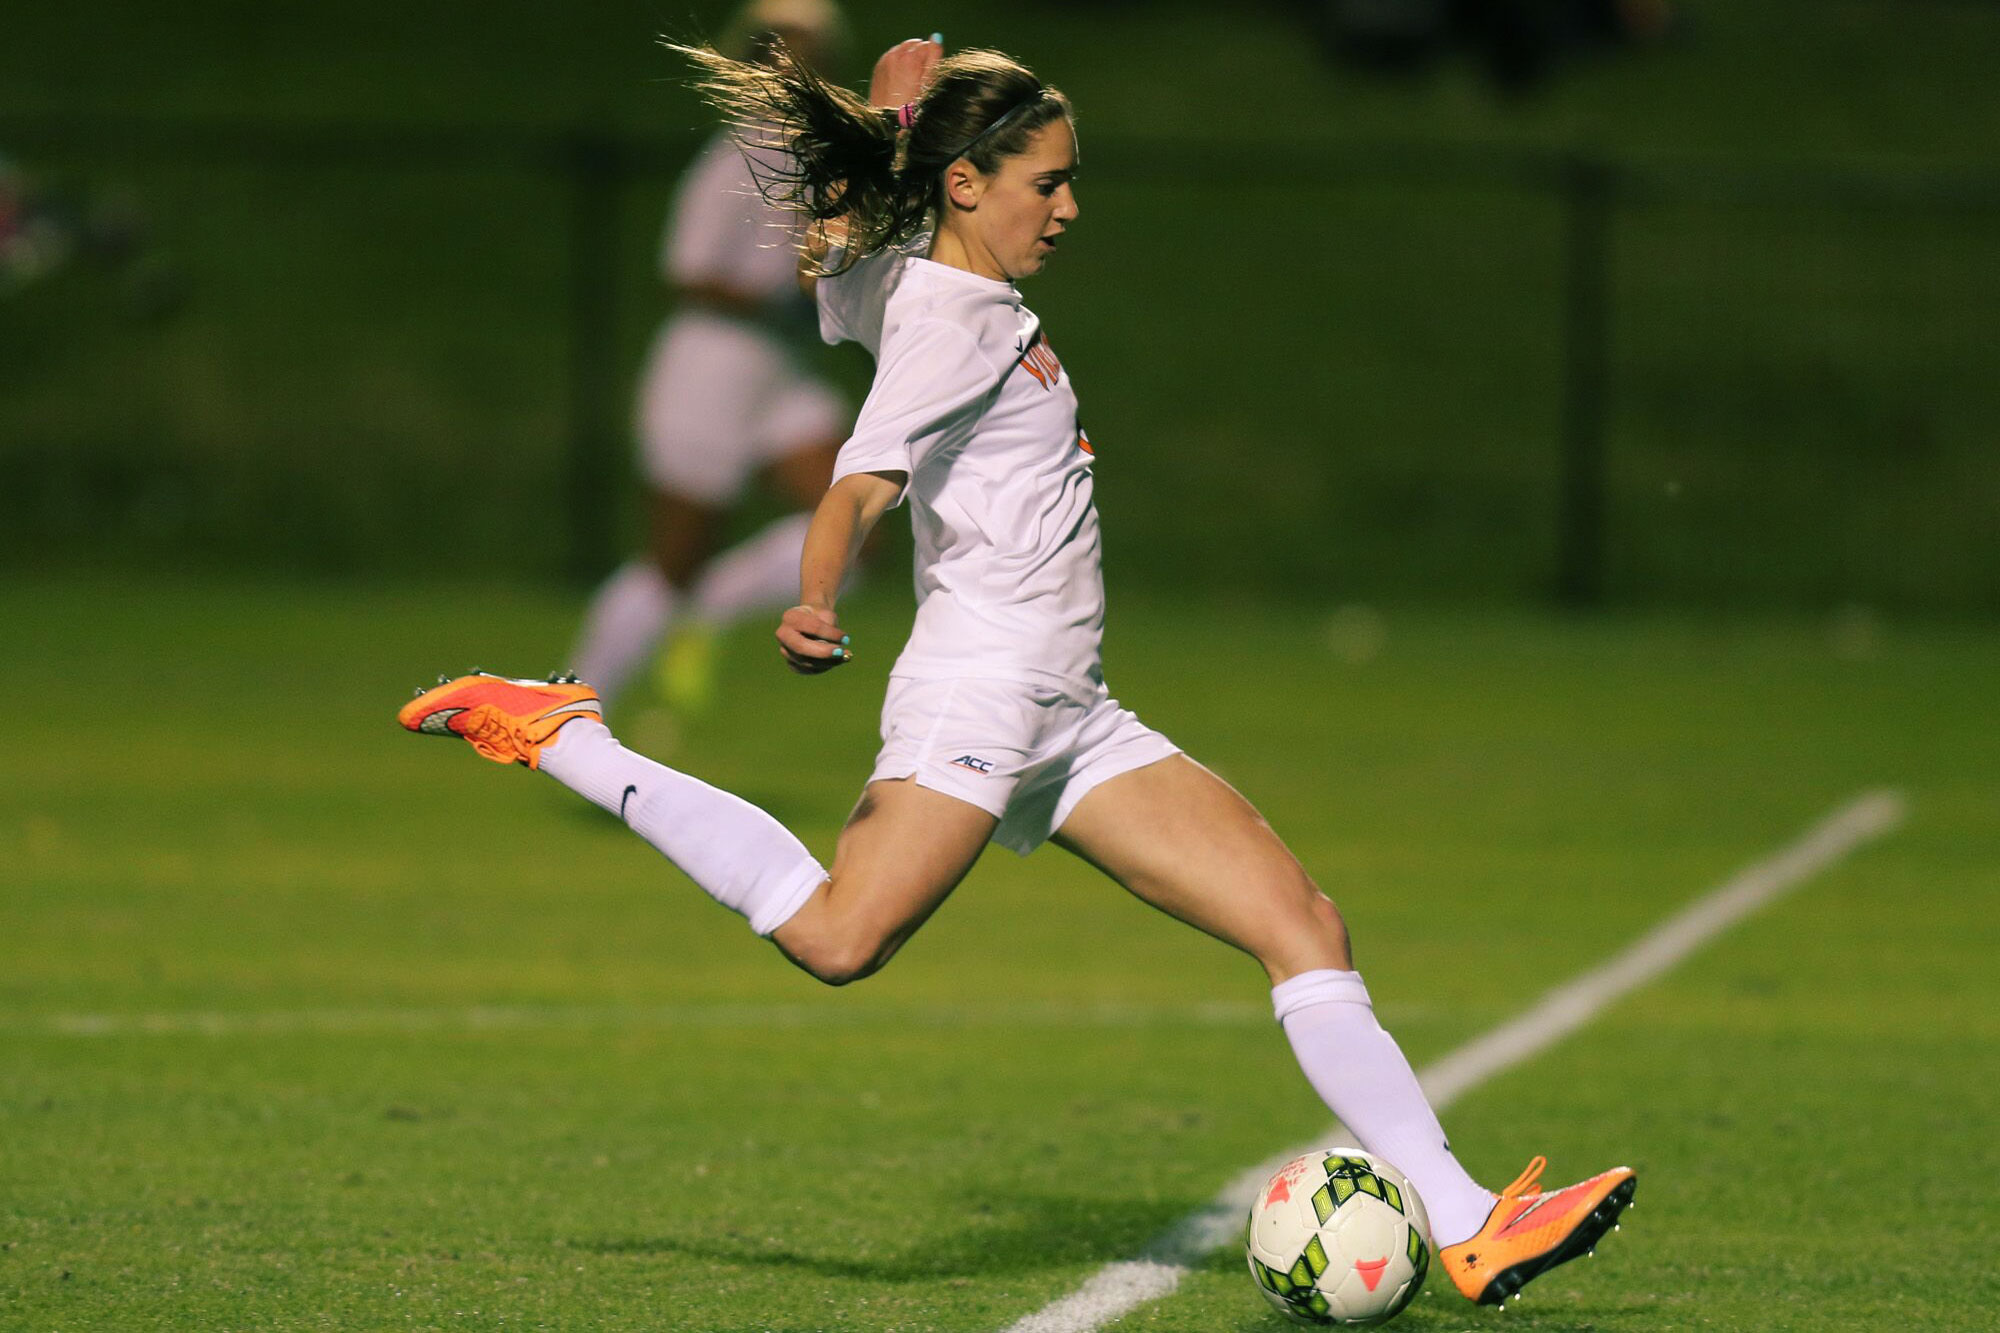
(964, 184)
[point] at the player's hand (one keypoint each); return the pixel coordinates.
(812, 640)
(904, 71)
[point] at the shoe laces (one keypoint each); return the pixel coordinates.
(1525, 1183)
(489, 730)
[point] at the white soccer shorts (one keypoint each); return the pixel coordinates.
(1025, 754)
(722, 398)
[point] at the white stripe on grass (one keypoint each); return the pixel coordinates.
(1117, 1289)
(514, 1018)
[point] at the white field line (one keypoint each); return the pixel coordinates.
(515, 1018)
(1119, 1288)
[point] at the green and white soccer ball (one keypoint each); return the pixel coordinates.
(1339, 1237)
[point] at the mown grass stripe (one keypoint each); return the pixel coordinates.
(483, 1018)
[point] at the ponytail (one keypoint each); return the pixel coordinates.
(845, 159)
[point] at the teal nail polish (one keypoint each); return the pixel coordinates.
(937, 39)
(843, 640)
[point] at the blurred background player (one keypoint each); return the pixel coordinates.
(726, 397)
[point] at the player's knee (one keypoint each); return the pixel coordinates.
(1312, 935)
(845, 967)
(1323, 915)
(839, 956)
(1325, 918)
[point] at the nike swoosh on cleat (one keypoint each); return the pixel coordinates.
(1515, 1222)
(590, 706)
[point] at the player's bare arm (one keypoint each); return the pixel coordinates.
(810, 634)
(904, 70)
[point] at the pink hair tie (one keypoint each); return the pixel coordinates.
(906, 115)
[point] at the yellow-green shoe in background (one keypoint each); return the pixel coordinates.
(685, 675)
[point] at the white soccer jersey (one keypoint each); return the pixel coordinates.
(971, 403)
(723, 231)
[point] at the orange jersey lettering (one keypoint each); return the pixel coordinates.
(1040, 361)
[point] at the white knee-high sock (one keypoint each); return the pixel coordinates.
(737, 854)
(760, 573)
(1360, 1072)
(626, 619)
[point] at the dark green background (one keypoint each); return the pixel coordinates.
(1316, 317)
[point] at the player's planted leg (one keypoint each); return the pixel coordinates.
(1179, 838)
(1183, 840)
(1365, 1079)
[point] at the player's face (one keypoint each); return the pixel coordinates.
(1028, 202)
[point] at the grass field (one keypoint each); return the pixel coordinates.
(309, 1024)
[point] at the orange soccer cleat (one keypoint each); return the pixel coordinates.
(507, 721)
(1528, 1232)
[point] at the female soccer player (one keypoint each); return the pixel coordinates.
(725, 396)
(997, 726)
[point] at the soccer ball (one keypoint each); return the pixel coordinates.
(1338, 1237)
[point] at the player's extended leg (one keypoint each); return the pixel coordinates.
(904, 849)
(634, 608)
(1184, 841)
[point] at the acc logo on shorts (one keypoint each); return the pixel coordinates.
(974, 763)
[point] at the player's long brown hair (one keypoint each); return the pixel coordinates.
(845, 159)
